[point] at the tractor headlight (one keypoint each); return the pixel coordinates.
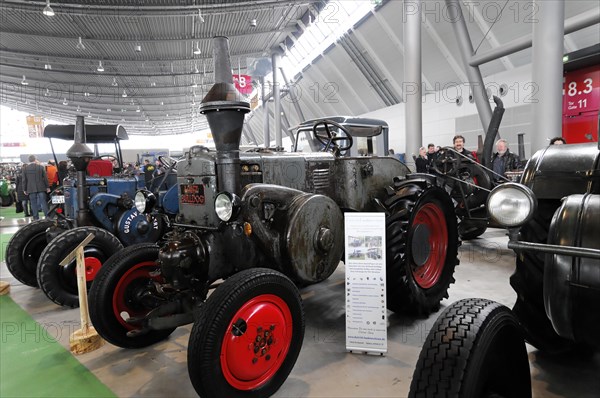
(511, 204)
(226, 205)
(144, 201)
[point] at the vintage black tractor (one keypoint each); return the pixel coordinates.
(552, 217)
(94, 200)
(265, 223)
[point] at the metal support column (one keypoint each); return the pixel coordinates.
(412, 77)
(277, 99)
(547, 72)
(265, 106)
(482, 102)
(293, 96)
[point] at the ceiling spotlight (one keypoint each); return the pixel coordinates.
(47, 93)
(200, 15)
(197, 50)
(78, 108)
(252, 23)
(100, 67)
(47, 66)
(24, 81)
(80, 45)
(196, 68)
(65, 101)
(48, 11)
(124, 95)
(162, 103)
(153, 84)
(108, 109)
(138, 48)
(89, 114)
(86, 94)
(114, 82)
(138, 109)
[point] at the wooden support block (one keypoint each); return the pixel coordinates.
(4, 288)
(83, 341)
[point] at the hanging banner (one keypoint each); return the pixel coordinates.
(243, 83)
(366, 314)
(35, 126)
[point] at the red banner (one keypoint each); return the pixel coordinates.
(243, 83)
(581, 91)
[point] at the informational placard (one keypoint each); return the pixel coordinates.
(243, 83)
(581, 91)
(366, 315)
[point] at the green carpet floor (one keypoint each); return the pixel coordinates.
(10, 212)
(33, 364)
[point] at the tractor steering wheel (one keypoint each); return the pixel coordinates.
(447, 162)
(167, 161)
(330, 140)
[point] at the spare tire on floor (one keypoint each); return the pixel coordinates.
(475, 349)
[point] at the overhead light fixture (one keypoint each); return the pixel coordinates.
(48, 11)
(196, 68)
(124, 95)
(252, 23)
(80, 45)
(200, 15)
(138, 48)
(197, 50)
(47, 93)
(108, 109)
(114, 82)
(153, 84)
(78, 108)
(65, 101)
(24, 81)
(86, 94)
(47, 66)
(162, 103)
(89, 114)
(100, 67)
(138, 109)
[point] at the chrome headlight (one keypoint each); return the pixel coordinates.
(226, 205)
(144, 201)
(511, 204)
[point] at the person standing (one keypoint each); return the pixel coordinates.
(63, 171)
(52, 174)
(431, 153)
(503, 160)
(148, 173)
(421, 161)
(459, 146)
(35, 184)
(21, 197)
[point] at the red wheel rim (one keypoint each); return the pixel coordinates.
(121, 306)
(92, 266)
(256, 342)
(431, 217)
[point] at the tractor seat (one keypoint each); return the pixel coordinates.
(100, 168)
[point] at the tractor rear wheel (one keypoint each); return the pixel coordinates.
(474, 349)
(59, 283)
(24, 250)
(528, 282)
(247, 336)
(422, 246)
(123, 289)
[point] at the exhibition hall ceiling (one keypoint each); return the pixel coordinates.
(147, 64)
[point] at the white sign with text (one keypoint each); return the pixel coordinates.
(366, 315)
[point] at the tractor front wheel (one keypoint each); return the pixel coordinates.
(247, 337)
(422, 246)
(125, 288)
(59, 283)
(24, 250)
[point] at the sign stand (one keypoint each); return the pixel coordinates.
(85, 339)
(366, 311)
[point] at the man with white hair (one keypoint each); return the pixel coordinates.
(503, 160)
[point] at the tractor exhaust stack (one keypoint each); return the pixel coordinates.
(80, 154)
(224, 107)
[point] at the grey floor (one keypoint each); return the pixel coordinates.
(324, 368)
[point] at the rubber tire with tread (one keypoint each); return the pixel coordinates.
(102, 293)
(403, 292)
(467, 233)
(528, 282)
(7, 200)
(24, 250)
(49, 269)
(474, 349)
(206, 338)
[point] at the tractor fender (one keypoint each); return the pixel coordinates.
(561, 170)
(572, 284)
